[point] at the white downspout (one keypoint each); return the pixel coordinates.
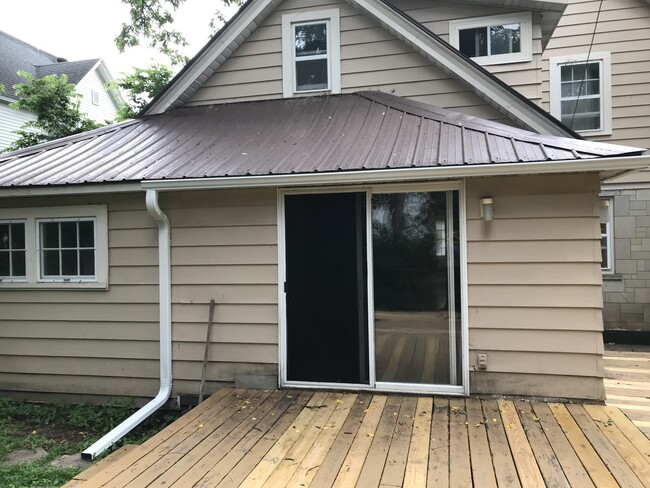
(164, 277)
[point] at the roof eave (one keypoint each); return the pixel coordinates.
(604, 166)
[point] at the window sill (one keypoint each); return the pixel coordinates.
(56, 285)
(498, 59)
(609, 276)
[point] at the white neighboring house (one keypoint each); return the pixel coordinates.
(90, 77)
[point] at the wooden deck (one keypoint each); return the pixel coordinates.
(627, 384)
(254, 438)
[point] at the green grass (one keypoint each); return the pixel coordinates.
(61, 428)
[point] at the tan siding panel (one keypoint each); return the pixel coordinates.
(97, 330)
(223, 217)
(535, 296)
(542, 363)
(534, 274)
(570, 342)
(534, 281)
(227, 275)
(229, 313)
(231, 294)
(45, 348)
(535, 318)
(253, 235)
(233, 353)
(88, 385)
(534, 229)
(227, 255)
(534, 252)
(223, 332)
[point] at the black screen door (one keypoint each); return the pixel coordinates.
(326, 292)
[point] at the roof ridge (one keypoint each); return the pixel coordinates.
(31, 46)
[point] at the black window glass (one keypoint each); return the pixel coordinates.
(18, 263)
(87, 262)
(86, 234)
(69, 262)
(51, 263)
(311, 75)
(4, 263)
(18, 236)
(473, 42)
(505, 39)
(4, 236)
(311, 39)
(50, 231)
(68, 234)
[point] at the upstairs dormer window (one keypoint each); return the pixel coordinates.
(311, 53)
(495, 39)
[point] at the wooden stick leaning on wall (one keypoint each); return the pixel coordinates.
(204, 371)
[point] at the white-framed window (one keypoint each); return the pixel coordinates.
(580, 92)
(495, 39)
(311, 57)
(606, 236)
(94, 97)
(54, 247)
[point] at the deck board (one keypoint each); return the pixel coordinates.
(335, 439)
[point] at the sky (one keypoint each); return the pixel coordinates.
(85, 29)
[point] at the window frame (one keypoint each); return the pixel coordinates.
(33, 217)
(289, 21)
(555, 80)
(524, 19)
(94, 97)
(607, 203)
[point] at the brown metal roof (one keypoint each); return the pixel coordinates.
(363, 131)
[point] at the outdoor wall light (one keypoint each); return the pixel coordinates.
(487, 209)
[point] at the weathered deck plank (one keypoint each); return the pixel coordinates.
(323, 440)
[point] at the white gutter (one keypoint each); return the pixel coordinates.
(164, 274)
(402, 174)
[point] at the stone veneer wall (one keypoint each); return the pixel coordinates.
(626, 292)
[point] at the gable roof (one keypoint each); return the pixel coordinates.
(17, 55)
(74, 70)
(405, 28)
(336, 134)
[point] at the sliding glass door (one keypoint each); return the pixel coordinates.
(415, 249)
(372, 290)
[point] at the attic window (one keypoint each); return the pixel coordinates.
(94, 96)
(311, 53)
(494, 40)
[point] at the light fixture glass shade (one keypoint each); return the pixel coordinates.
(487, 209)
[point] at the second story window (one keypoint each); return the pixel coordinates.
(311, 56)
(494, 39)
(580, 92)
(311, 52)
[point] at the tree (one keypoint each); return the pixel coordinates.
(151, 21)
(56, 105)
(141, 87)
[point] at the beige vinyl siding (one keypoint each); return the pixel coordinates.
(90, 345)
(623, 30)
(534, 286)
(526, 77)
(224, 247)
(371, 59)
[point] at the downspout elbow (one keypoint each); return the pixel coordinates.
(165, 390)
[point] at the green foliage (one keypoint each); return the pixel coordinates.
(141, 87)
(61, 428)
(151, 22)
(56, 105)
